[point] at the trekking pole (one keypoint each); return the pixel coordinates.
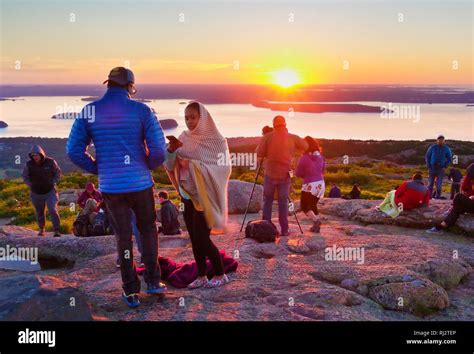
(294, 213)
(251, 194)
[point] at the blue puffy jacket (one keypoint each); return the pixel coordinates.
(438, 156)
(121, 130)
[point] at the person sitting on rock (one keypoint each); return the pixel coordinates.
(413, 194)
(462, 203)
(90, 192)
(311, 168)
(467, 185)
(355, 192)
(335, 191)
(41, 174)
(168, 215)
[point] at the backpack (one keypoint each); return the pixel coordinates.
(261, 230)
(80, 227)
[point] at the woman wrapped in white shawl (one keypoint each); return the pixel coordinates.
(197, 164)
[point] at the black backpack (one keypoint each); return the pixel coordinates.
(261, 230)
(80, 227)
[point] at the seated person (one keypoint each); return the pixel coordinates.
(168, 215)
(355, 192)
(90, 192)
(335, 191)
(413, 194)
(462, 203)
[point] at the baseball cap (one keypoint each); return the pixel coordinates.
(279, 121)
(121, 76)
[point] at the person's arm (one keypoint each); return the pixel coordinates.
(26, 176)
(301, 144)
(428, 156)
(401, 190)
(81, 201)
(300, 169)
(449, 157)
(56, 172)
(77, 143)
(262, 147)
(466, 185)
(154, 138)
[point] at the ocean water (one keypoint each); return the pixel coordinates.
(31, 116)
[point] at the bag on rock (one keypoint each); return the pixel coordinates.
(80, 227)
(261, 230)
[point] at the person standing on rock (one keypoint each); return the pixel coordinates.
(197, 165)
(310, 169)
(277, 148)
(438, 157)
(41, 174)
(129, 142)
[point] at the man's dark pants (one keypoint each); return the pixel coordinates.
(118, 208)
(461, 204)
(40, 201)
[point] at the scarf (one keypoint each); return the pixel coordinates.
(207, 152)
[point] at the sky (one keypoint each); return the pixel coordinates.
(238, 42)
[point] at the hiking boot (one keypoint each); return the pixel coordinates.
(285, 233)
(41, 232)
(316, 226)
(131, 300)
(57, 234)
(153, 289)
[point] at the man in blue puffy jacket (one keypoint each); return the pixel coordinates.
(128, 142)
(438, 157)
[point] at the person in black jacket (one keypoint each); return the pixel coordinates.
(168, 215)
(41, 174)
(455, 176)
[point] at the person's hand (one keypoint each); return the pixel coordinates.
(471, 197)
(174, 145)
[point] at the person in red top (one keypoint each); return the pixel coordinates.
(90, 192)
(413, 194)
(467, 185)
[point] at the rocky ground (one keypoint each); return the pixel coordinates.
(406, 274)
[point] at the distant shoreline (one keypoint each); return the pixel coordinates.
(249, 94)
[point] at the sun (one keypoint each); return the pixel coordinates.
(286, 78)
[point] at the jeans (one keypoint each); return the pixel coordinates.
(461, 204)
(40, 201)
(283, 188)
(201, 242)
(437, 174)
(143, 205)
(455, 188)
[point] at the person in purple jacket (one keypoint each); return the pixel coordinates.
(311, 169)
